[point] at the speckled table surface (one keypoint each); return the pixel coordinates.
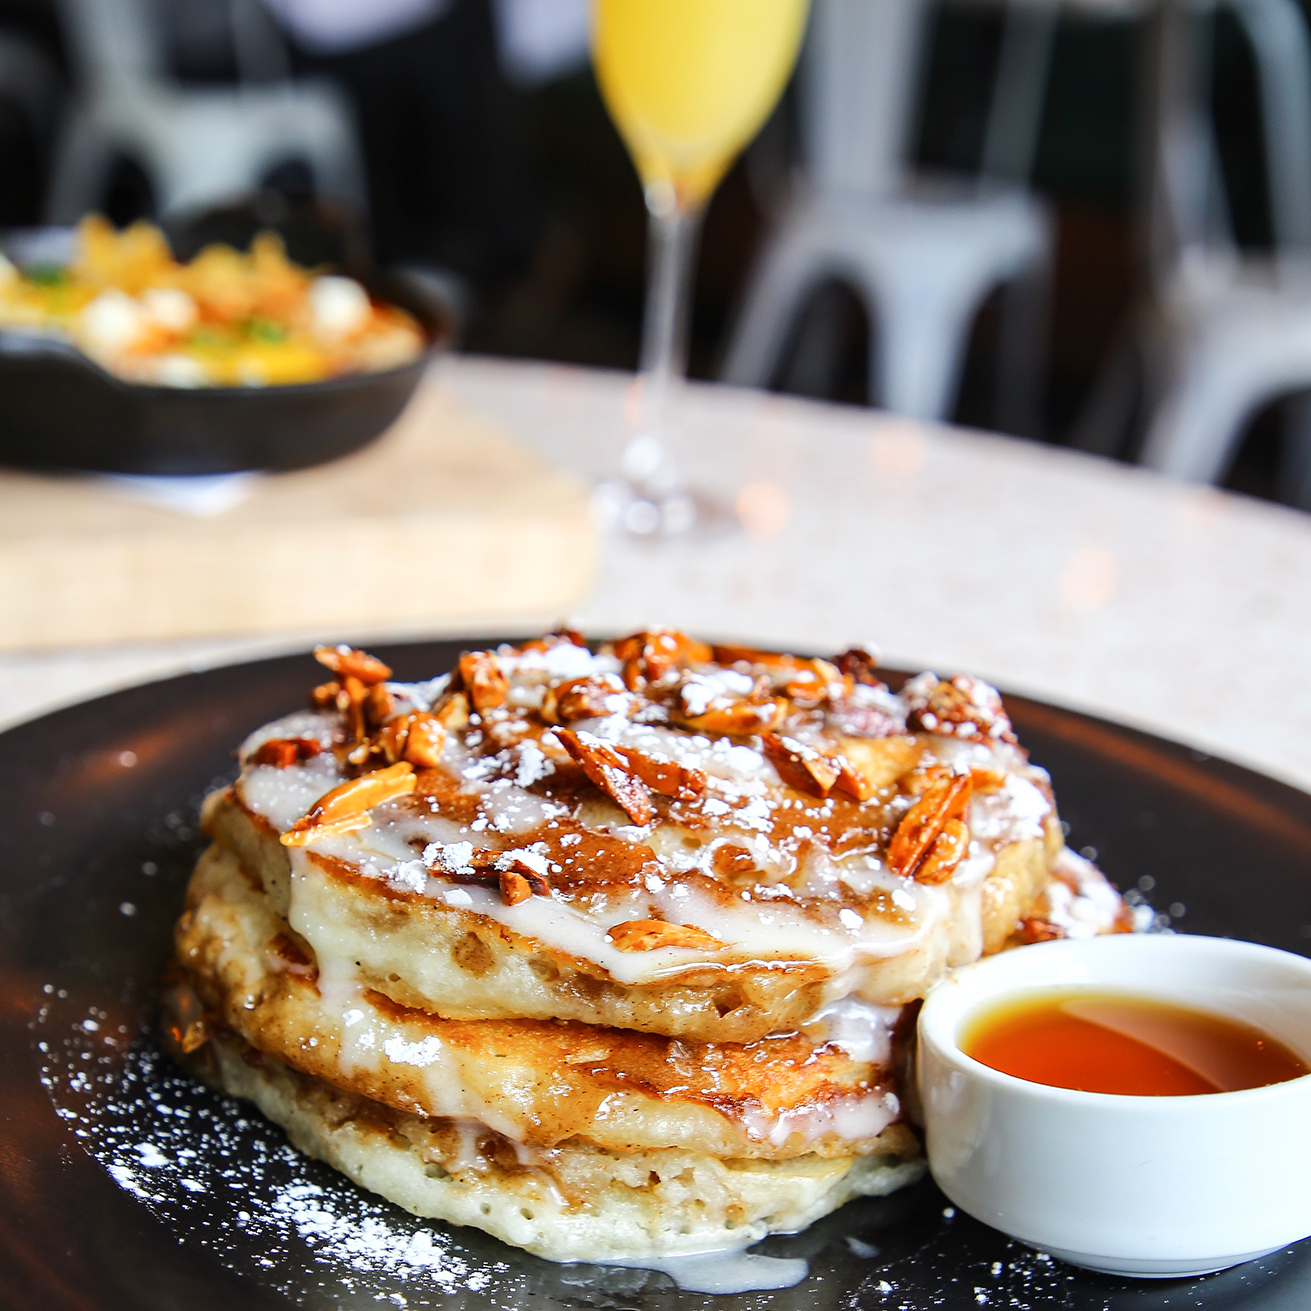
(1179, 609)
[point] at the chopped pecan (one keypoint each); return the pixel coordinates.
(452, 711)
(328, 828)
(1033, 929)
(514, 887)
(483, 680)
(922, 825)
(946, 852)
(812, 771)
(285, 751)
(736, 718)
(857, 718)
(731, 654)
(757, 712)
(186, 1024)
(610, 772)
(560, 637)
(391, 738)
(424, 740)
(800, 766)
(665, 776)
(517, 878)
(345, 660)
(859, 666)
(962, 707)
(732, 861)
(651, 935)
(851, 782)
(379, 704)
(651, 657)
(346, 806)
(350, 705)
(592, 697)
(324, 697)
(816, 683)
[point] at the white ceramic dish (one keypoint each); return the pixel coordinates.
(1148, 1186)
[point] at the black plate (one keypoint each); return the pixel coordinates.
(126, 1186)
(60, 410)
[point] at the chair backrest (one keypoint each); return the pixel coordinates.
(1189, 208)
(114, 41)
(860, 75)
(1278, 32)
(127, 42)
(860, 92)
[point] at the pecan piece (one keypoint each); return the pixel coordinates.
(859, 719)
(664, 775)
(483, 681)
(946, 852)
(812, 771)
(346, 806)
(324, 696)
(514, 887)
(423, 742)
(650, 657)
(379, 704)
(345, 660)
(701, 708)
(800, 766)
(859, 666)
(560, 637)
(591, 697)
(651, 935)
(923, 824)
(817, 681)
(185, 1021)
(1033, 929)
(283, 752)
(452, 711)
(610, 772)
(961, 706)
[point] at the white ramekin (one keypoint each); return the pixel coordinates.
(1152, 1186)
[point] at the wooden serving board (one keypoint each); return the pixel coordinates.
(443, 522)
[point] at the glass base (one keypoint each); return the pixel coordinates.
(621, 506)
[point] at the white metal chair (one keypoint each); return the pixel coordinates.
(198, 145)
(1231, 331)
(922, 254)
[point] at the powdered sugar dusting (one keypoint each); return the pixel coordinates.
(174, 1145)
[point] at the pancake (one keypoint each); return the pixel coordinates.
(789, 881)
(574, 1202)
(537, 1082)
(613, 954)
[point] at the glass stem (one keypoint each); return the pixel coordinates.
(673, 240)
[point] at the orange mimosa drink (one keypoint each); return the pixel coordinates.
(689, 83)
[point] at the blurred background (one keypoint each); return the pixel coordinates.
(1083, 223)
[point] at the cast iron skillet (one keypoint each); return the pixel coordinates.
(59, 410)
(102, 1207)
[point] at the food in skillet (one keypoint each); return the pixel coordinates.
(612, 954)
(226, 318)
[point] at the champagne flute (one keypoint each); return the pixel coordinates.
(688, 84)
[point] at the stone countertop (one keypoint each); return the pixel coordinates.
(1180, 609)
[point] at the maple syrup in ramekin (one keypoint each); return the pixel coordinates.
(1108, 1042)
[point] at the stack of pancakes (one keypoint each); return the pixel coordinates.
(612, 954)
